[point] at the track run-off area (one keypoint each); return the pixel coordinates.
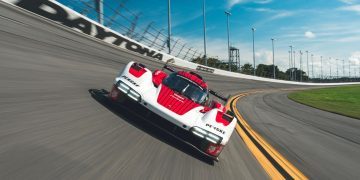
(52, 128)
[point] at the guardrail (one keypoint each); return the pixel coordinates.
(61, 14)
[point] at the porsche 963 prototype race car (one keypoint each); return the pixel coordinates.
(182, 98)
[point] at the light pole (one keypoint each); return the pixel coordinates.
(253, 36)
(100, 11)
(307, 63)
(289, 65)
(228, 36)
(169, 26)
(349, 70)
(300, 53)
(291, 60)
(337, 69)
(321, 67)
(294, 64)
(312, 65)
(204, 23)
(330, 66)
(343, 68)
(272, 40)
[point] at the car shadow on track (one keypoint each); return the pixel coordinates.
(148, 122)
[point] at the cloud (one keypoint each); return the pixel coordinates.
(263, 57)
(273, 14)
(355, 58)
(183, 20)
(353, 8)
(309, 34)
(263, 1)
(348, 1)
(348, 39)
(281, 15)
(231, 3)
(262, 9)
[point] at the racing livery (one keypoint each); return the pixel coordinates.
(182, 98)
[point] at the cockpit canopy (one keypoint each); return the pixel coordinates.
(187, 87)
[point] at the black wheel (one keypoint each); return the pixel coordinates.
(121, 97)
(116, 95)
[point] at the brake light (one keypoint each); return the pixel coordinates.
(214, 149)
(137, 70)
(223, 118)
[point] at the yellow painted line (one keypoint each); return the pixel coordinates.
(269, 167)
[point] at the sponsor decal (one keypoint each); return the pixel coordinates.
(130, 80)
(215, 128)
(205, 69)
(177, 97)
(53, 11)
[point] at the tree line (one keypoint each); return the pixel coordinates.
(261, 70)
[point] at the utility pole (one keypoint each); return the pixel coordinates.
(204, 23)
(228, 36)
(169, 26)
(272, 40)
(253, 36)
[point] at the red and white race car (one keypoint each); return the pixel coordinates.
(181, 98)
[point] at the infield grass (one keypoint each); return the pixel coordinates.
(344, 100)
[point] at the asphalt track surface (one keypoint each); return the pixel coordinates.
(322, 145)
(51, 127)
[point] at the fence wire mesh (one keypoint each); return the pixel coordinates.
(119, 18)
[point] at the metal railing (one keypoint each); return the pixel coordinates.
(119, 18)
(126, 22)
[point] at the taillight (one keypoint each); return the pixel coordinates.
(214, 149)
(114, 93)
(137, 70)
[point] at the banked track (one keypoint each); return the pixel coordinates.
(51, 128)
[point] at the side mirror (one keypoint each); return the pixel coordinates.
(172, 60)
(158, 77)
(167, 67)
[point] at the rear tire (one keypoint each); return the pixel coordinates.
(116, 95)
(121, 97)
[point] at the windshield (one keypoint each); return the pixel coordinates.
(186, 87)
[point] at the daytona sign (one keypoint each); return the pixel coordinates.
(55, 12)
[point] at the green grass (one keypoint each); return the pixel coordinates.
(344, 100)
